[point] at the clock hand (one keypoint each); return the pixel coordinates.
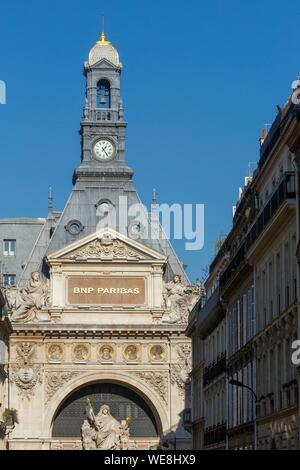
(104, 151)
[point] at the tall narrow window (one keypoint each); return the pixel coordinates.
(9, 280)
(9, 247)
(103, 94)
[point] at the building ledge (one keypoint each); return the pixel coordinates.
(291, 410)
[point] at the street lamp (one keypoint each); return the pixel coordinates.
(237, 383)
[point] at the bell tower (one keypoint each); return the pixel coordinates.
(102, 127)
(103, 189)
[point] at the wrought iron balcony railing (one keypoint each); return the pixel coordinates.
(215, 434)
(213, 371)
(285, 190)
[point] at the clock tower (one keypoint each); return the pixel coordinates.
(101, 308)
(103, 126)
(103, 187)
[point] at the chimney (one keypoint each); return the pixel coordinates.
(263, 136)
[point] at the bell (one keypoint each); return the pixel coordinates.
(103, 99)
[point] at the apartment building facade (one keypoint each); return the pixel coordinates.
(258, 286)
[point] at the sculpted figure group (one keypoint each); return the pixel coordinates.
(25, 301)
(179, 299)
(103, 431)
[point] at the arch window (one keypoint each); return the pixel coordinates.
(122, 401)
(103, 94)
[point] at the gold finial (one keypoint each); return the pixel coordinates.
(103, 39)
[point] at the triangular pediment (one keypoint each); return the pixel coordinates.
(106, 245)
(104, 63)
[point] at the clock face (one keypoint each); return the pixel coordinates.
(104, 149)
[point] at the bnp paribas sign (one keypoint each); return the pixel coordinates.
(95, 290)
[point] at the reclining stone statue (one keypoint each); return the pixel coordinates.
(25, 301)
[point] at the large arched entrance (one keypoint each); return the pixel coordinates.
(123, 402)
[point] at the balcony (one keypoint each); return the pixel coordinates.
(102, 115)
(213, 371)
(210, 314)
(235, 264)
(215, 434)
(286, 190)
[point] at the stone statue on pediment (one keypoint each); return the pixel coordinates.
(179, 299)
(26, 301)
(103, 431)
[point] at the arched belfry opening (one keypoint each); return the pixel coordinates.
(123, 402)
(103, 94)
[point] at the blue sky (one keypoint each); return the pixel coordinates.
(200, 80)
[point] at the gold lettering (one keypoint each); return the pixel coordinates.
(106, 290)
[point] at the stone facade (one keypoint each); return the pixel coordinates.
(99, 305)
(255, 276)
(5, 330)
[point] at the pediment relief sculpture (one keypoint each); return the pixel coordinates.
(106, 248)
(179, 299)
(26, 301)
(103, 431)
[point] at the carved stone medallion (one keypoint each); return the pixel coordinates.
(81, 352)
(157, 353)
(55, 352)
(23, 373)
(106, 353)
(131, 353)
